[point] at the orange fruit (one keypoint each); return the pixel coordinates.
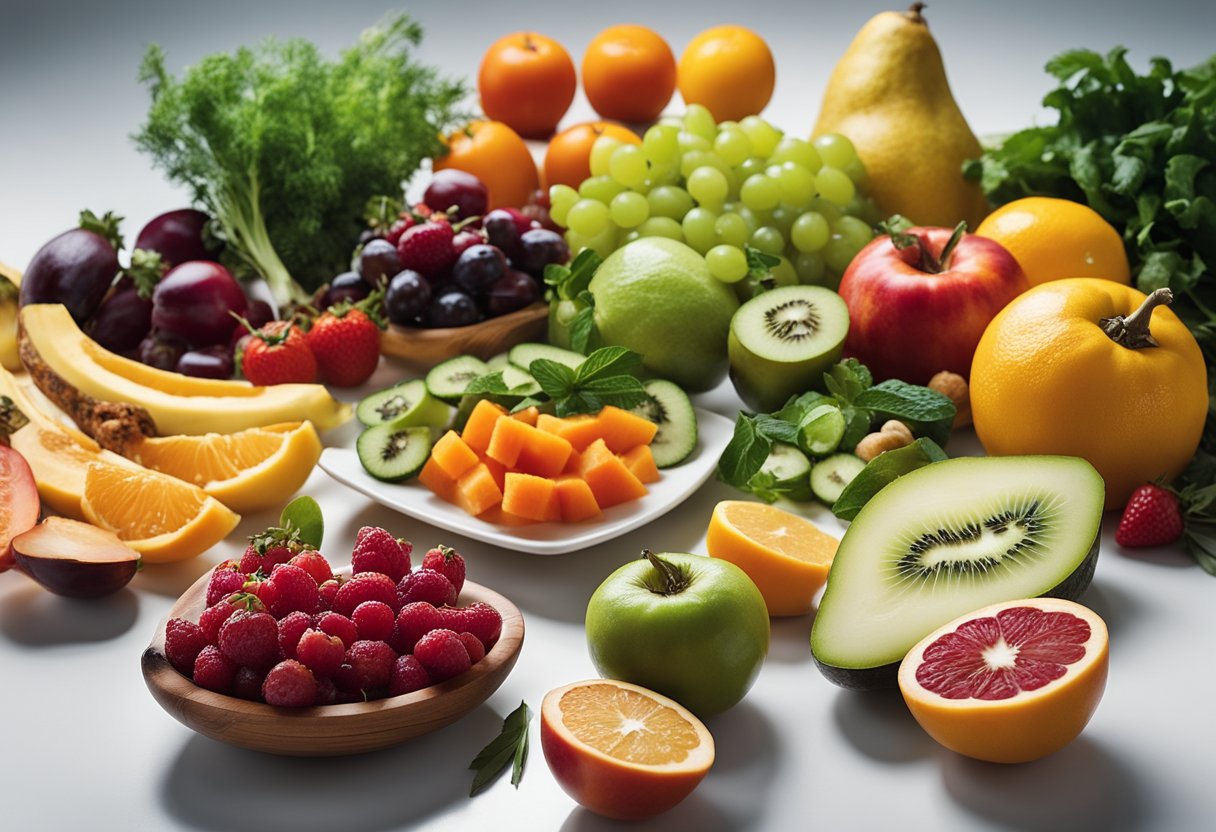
(495, 154)
(729, 70)
(567, 158)
(1047, 379)
(162, 518)
(629, 73)
(786, 556)
(250, 470)
(1057, 238)
(621, 750)
(527, 81)
(1011, 682)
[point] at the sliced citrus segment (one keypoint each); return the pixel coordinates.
(785, 555)
(621, 750)
(250, 470)
(1011, 682)
(161, 517)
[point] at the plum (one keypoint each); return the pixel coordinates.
(122, 320)
(196, 301)
(75, 269)
(178, 237)
(75, 559)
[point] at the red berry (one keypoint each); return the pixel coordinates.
(271, 547)
(293, 589)
(289, 684)
(443, 655)
(447, 560)
(315, 564)
(226, 579)
(426, 585)
(365, 586)
(250, 638)
(258, 586)
(320, 652)
(327, 691)
(372, 662)
(476, 650)
(278, 353)
(399, 227)
(415, 620)
(291, 627)
(466, 239)
(1153, 517)
(373, 620)
(376, 550)
(408, 676)
(327, 592)
(211, 619)
(346, 345)
(247, 683)
(480, 619)
(184, 640)
(427, 248)
(336, 624)
(213, 670)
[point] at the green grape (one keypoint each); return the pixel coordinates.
(661, 144)
(627, 165)
(835, 150)
(810, 232)
(664, 174)
(672, 121)
(763, 136)
(856, 171)
(727, 263)
(767, 239)
(783, 273)
(699, 121)
(661, 227)
(831, 212)
(600, 188)
(630, 237)
(603, 243)
(708, 186)
(732, 145)
(854, 231)
(809, 267)
(601, 151)
(750, 167)
(793, 149)
(732, 230)
(561, 198)
(703, 158)
(628, 209)
(691, 141)
(698, 227)
(834, 185)
(796, 183)
(759, 192)
(839, 252)
(588, 217)
(753, 219)
(669, 201)
(782, 218)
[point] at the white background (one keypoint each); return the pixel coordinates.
(82, 743)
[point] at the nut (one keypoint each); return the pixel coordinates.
(894, 434)
(953, 386)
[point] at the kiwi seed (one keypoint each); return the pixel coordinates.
(792, 320)
(1027, 521)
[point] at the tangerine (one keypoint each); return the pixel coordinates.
(568, 156)
(495, 154)
(629, 73)
(729, 70)
(527, 81)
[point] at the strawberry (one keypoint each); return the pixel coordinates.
(278, 353)
(447, 560)
(1152, 517)
(346, 344)
(427, 248)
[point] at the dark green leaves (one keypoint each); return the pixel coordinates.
(303, 513)
(744, 454)
(568, 282)
(510, 746)
(883, 470)
(603, 379)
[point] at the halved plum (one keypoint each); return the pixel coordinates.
(75, 559)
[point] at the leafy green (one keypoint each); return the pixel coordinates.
(603, 379)
(304, 513)
(510, 746)
(883, 470)
(284, 147)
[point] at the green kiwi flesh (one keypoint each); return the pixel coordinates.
(947, 539)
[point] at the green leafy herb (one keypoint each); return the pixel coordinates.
(568, 282)
(881, 471)
(510, 746)
(926, 412)
(745, 453)
(303, 513)
(603, 379)
(582, 328)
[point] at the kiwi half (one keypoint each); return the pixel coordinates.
(947, 539)
(670, 408)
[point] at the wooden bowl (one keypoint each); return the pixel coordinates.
(329, 730)
(427, 347)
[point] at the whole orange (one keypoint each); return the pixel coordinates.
(1048, 379)
(495, 154)
(729, 70)
(629, 73)
(527, 81)
(1056, 238)
(567, 158)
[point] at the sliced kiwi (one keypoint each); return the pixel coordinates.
(522, 355)
(782, 341)
(949, 538)
(670, 408)
(831, 474)
(408, 403)
(448, 379)
(393, 453)
(788, 471)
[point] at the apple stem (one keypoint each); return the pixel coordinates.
(673, 579)
(1133, 332)
(928, 261)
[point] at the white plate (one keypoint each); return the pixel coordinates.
(673, 487)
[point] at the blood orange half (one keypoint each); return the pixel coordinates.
(1011, 682)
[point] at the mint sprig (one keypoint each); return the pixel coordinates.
(510, 746)
(603, 379)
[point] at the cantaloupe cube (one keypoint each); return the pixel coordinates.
(640, 461)
(580, 431)
(611, 482)
(507, 440)
(497, 470)
(622, 430)
(477, 491)
(531, 497)
(503, 518)
(453, 455)
(436, 479)
(543, 454)
(528, 415)
(576, 500)
(480, 424)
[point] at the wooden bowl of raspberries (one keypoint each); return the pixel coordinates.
(279, 653)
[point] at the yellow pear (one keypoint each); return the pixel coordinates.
(889, 95)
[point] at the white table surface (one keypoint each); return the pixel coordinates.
(83, 744)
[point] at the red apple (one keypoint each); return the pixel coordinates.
(919, 301)
(19, 503)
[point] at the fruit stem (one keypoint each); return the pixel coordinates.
(674, 580)
(11, 419)
(927, 260)
(1133, 332)
(914, 13)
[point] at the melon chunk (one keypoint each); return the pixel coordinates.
(453, 455)
(476, 490)
(640, 461)
(622, 430)
(611, 482)
(576, 500)
(480, 424)
(531, 497)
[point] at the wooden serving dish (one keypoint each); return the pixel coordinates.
(427, 347)
(329, 730)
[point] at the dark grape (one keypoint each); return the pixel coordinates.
(513, 291)
(452, 309)
(457, 188)
(540, 214)
(122, 321)
(408, 296)
(540, 247)
(379, 261)
(208, 362)
(479, 267)
(348, 286)
(161, 352)
(501, 230)
(259, 314)
(466, 239)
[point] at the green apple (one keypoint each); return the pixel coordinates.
(690, 627)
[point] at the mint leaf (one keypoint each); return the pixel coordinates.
(491, 383)
(304, 513)
(625, 392)
(510, 746)
(607, 361)
(570, 281)
(582, 329)
(778, 429)
(744, 455)
(759, 263)
(900, 400)
(883, 470)
(557, 380)
(530, 401)
(578, 402)
(847, 379)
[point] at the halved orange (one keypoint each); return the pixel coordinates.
(785, 555)
(621, 750)
(161, 517)
(1011, 682)
(250, 470)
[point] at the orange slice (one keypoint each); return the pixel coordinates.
(250, 470)
(621, 750)
(161, 517)
(785, 555)
(1011, 682)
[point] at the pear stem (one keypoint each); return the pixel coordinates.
(914, 13)
(1133, 332)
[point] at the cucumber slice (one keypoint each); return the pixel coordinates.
(498, 362)
(393, 453)
(448, 379)
(408, 403)
(821, 429)
(669, 407)
(790, 470)
(831, 474)
(514, 378)
(522, 355)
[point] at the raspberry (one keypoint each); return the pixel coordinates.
(250, 638)
(320, 652)
(472, 644)
(226, 579)
(447, 560)
(184, 640)
(443, 655)
(415, 620)
(366, 586)
(480, 619)
(426, 585)
(327, 691)
(372, 662)
(213, 670)
(315, 564)
(211, 619)
(293, 589)
(247, 683)
(291, 627)
(408, 676)
(326, 593)
(378, 551)
(373, 620)
(289, 684)
(427, 248)
(336, 624)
